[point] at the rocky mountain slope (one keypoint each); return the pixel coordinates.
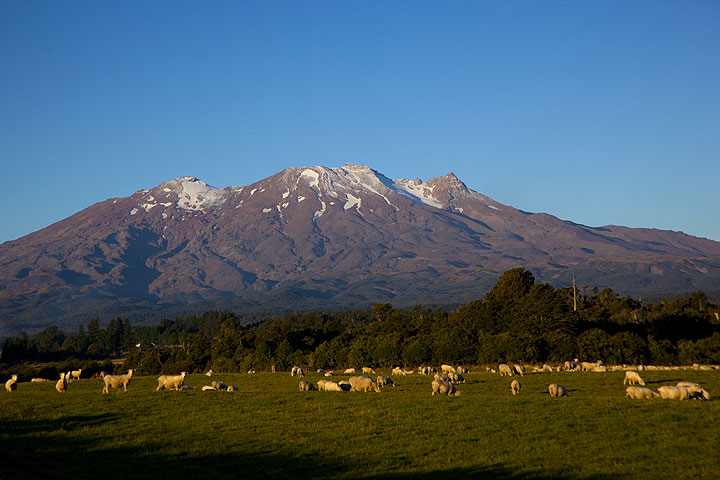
(320, 238)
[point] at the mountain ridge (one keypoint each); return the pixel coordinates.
(185, 242)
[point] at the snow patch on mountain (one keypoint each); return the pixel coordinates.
(352, 201)
(194, 194)
(416, 191)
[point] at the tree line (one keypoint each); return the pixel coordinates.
(518, 320)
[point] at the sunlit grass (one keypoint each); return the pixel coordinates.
(271, 430)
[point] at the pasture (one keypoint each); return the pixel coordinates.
(269, 429)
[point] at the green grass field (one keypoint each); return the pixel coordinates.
(271, 430)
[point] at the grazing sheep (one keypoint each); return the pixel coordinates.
(328, 386)
(674, 393)
(209, 373)
(232, 388)
(306, 386)
(444, 387)
(75, 374)
(441, 376)
(408, 372)
(252, 372)
(384, 381)
(363, 383)
(219, 384)
(695, 391)
(461, 369)
(639, 393)
(297, 372)
(519, 369)
(455, 377)
(61, 385)
(209, 388)
(344, 385)
(397, 371)
(367, 370)
(171, 382)
(515, 387)
(117, 381)
(557, 390)
(11, 385)
(572, 365)
(35, 380)
(589, 366)
(349, 370)
(447, 368)
(632, 378)
(547, 368)
(424, 370)
(505, 370)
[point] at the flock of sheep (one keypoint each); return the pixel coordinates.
(444, 382)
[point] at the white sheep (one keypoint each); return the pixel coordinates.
(455, 377)
(209, 373)
(519, 369)
(171, 382)
(397, 371)
(695, 391)
(35, 380)
(505, 370)
(219, 385)
(674, 393)
(11, 384)
(600, 369)
(632, 378)
(117, 381)
(367, 370)
(61, 385)
(297, 372)
(232, 388)
(444, 387)
(329, 373)
(75, 374)
(639, 393)
(349, 370)
(547, 368)
(209, 388)
(463, 370)
(384, 381)
(306, 386)
(447, 368)
(557, 390)
(252, 372)
(515, 387)
(328, 386)
(363, 383)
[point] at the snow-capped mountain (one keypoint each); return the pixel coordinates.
(322, 238)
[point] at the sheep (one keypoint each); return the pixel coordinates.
(397, 371)
(444, 387)
(519, 369)
(547, 368)
(455, 377)
(600, 369)
(320, 370)
(571, 365)
(209, 388)
(171, 382)
(11, 385)
(328, 386)
(273, 369)
(639, 393)
(515, 387)
(329, 373)
(557, 390)
(344, 385)
(441, 376)
(363, 383)
(447, 368)
(367, 370)
(61, 385)
(185, 388)
(505, 370)
(384, 381)
(35, 380)
(589, 366)
(408, 372)
(297, 372)
(232, 388)
(632, 378)
(209, 373)
(560, 368)
(461, 369)
(673, 393)
(219, 384)
(75, 374)
(695, 391)
(424, 370)
(349, 370)
(116, 381)
(306, 386)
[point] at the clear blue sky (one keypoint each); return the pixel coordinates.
(602, 112)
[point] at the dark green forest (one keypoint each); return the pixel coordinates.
(518, 320)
